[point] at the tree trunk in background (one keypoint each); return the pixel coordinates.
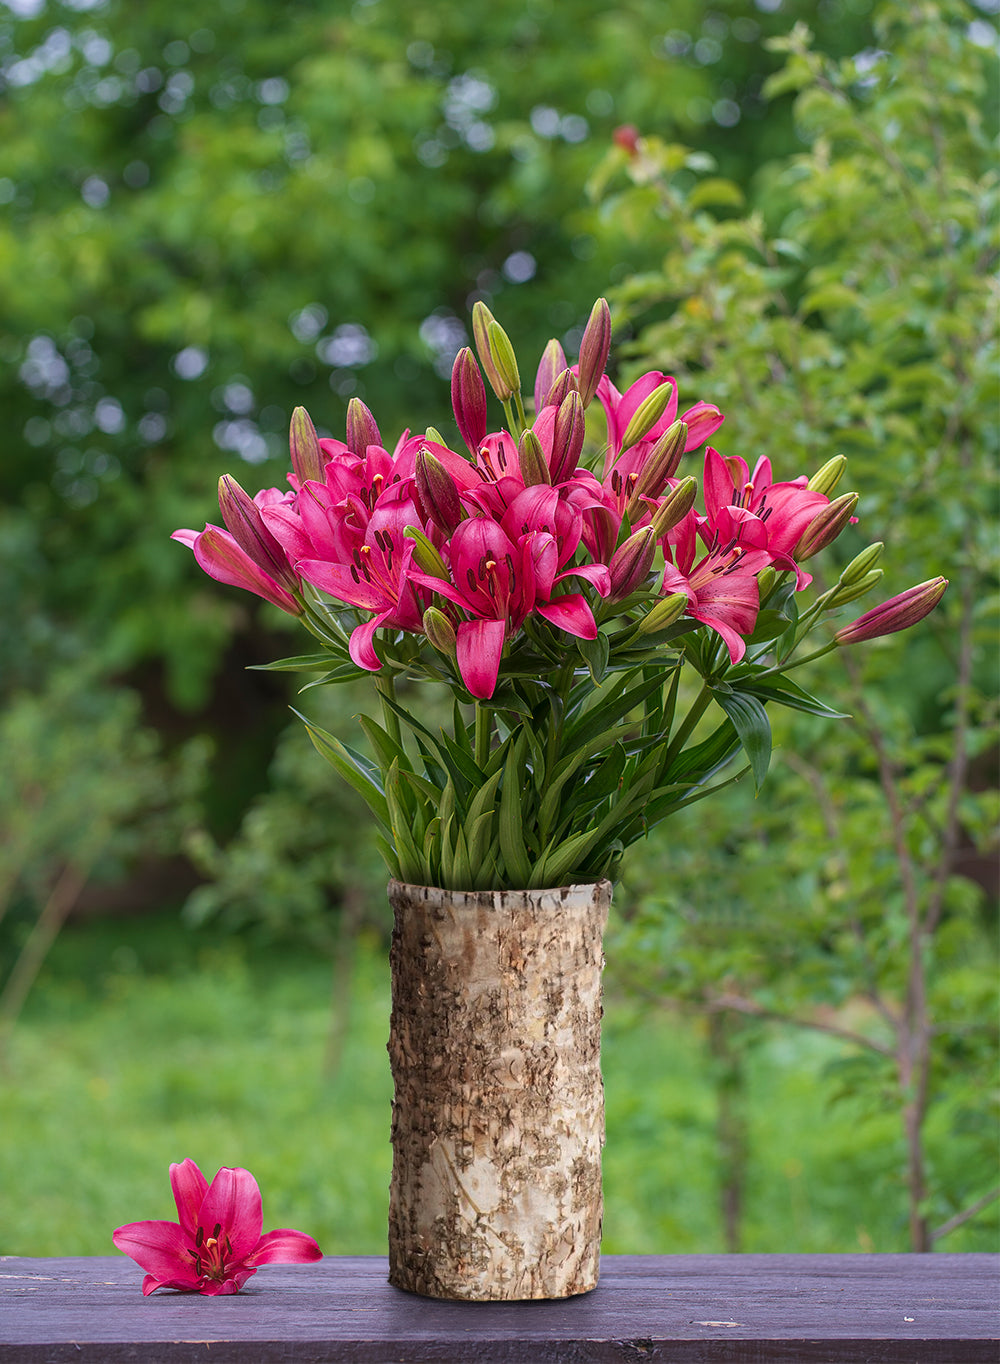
(498, 1118)
(731, 1132)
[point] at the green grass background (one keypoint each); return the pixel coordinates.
(144, 1043)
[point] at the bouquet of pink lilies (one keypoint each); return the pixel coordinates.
(563, 593)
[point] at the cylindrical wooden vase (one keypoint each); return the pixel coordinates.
(498, 1116)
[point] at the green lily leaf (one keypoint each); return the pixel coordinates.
(787, 693)
(410, 862)
(594, 653)
(750, 721)
(299, 663)
(515, 854)
(354, 767)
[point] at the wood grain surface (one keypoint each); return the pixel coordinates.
(686, 1309)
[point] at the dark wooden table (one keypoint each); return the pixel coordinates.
(686, 1309)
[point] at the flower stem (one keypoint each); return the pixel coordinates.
(483, 729)
(684, 729)
(386, 688)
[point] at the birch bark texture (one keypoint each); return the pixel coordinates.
(498, 1115)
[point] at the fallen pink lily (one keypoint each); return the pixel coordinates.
(216, 1244)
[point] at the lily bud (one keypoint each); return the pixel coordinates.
(675, 506)
(631, 562)
(362, 429)
(468, 399)
(567, 437)
(841, 593)
(766, 579)
(436, 493)
(531, 458)
(647, 414)
(246, 525)
(303, 443)
(425, 555)
(594, 349)
(862, 563)
(825, 526)
(898, 613)
(565, 384)
(826, 479)
(433, 434)
(551, 365)
(664, 613)
(440, 631)
(661, 464)
(504, 360)
(481, 319)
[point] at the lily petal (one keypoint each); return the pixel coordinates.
(190, 1187)
(479, 647)
(233, 1202)
(361, 645)
(284, 1247)
(572, 614)
(160, 1248)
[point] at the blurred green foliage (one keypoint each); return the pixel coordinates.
(162, 1045)
(846, 308)
(208, 216)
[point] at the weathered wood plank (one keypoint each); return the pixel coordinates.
(688, 1309)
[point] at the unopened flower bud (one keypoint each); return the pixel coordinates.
(826, 479)
(825, 526)
(436, 493)
(246, 525)
(565, 383)
(631, 562)
(303, 443)
(362, 429)
(481, 319)
(664, 613)
(434, 435)
(647, 414)
(898, 613)
(862, 563)
(551, 365)
(766, 579)
(567, 437)
(440, 631)
(504, 361)
(594, 348)
(675, 506)
(841, 593)
(531, 458)
(661, 464)
(468, 399)
(425, 554)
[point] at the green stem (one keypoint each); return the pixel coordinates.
(685, 728)
(783, 666)
(483, 734)
(386, 688)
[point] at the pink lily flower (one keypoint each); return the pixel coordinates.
(702, 420)
(217, 554)
(722, 592)
(376, 577)
(216, 1244)
(763, 514)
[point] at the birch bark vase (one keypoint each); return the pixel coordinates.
(498, 1116)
